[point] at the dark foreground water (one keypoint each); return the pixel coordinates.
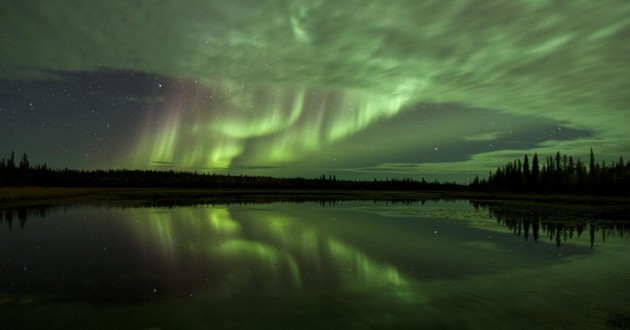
(350, 265)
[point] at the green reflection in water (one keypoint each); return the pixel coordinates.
(355, 265)
(263, 259)
(268, 251)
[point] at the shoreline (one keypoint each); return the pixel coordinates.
(30, 196)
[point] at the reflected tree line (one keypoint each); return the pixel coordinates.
(22, 213)
(555, 225)
(559, 225)
(561, 174)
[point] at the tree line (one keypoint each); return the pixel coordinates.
(559, 174)
(25, 174)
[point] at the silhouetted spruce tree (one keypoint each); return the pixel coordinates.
(526, 170)
(11, 161)
(592, 169)
(535, 172)
(24, 164)
(558, 163)
(561, 165)
(591, 164)
(561, 173)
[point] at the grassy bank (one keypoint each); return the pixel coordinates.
(25, 196)
(9, 195)
(542, 198)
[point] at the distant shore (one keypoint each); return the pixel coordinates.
(30, 196)
(24, 196)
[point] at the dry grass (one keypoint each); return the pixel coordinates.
(8, 194)
(541, 198)
(24, 196)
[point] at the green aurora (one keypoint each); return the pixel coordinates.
(359, 89)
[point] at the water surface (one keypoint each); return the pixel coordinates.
(313, 265)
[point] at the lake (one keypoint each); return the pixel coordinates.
(327, 264)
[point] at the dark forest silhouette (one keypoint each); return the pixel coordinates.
(41, 175)
(559, 174)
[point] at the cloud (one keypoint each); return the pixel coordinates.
(255, 167)
(540, 59)
(420, 168)
(490, 136)
(156, 163)
(145, 100)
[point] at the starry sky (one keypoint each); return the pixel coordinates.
(359, 89)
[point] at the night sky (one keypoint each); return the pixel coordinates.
(359, 89)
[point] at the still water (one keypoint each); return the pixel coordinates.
(436, 264)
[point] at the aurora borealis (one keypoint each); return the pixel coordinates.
(359, 89)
